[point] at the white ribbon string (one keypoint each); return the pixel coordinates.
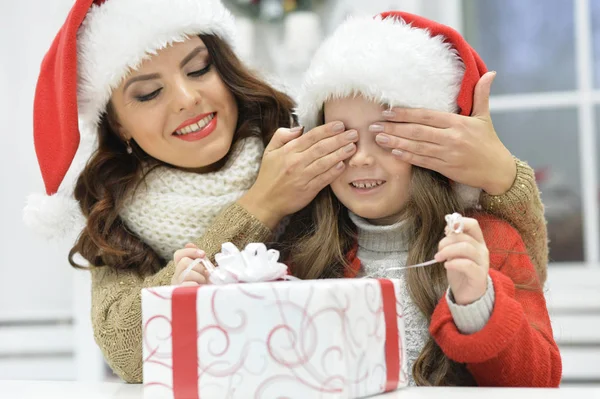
(188, 269)
(255, 263)
(454, 225)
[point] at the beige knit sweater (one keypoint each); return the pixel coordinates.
(116, 295)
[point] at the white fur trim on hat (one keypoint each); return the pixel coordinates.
(53, 216)
(387, 61)
(118, 35)
(56, 216)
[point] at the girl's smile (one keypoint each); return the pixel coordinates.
(375, 184)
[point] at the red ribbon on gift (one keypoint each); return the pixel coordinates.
(185, 342)
(392, 347)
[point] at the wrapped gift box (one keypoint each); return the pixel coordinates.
(339, 338)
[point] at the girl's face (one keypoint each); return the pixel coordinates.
(176, 107)
(375, 184)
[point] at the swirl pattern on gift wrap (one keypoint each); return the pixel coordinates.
(288, 351)
(240, 313)
(164, 340)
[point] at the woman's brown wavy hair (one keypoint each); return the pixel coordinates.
(111, 173)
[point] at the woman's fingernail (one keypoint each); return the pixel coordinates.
(296, 129)
(397, 153)
(388, 113)
(339, 165)
(376, 128)
(338, 127)
(349, 148)
(382, 139)
(352, 135)
(200, 253)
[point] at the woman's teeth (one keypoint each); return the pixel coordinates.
(194, 127)
(367, 184)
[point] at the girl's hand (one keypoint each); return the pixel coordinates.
(467, 261)
(295, 167)
(465, 149)
(182, 259)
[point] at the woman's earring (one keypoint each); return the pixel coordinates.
(129, 149)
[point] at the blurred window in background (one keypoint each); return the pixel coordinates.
(543, 106)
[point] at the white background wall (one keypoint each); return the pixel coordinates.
(36, 295)
(27, 262)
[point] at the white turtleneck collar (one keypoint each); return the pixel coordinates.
(375, 238)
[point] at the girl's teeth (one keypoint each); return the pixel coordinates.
(367, 185)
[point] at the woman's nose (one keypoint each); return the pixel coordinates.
(187, 96)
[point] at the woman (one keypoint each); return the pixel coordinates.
(180, 126)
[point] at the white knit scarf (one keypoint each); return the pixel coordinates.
(173, 207)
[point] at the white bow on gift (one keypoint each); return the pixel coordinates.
(254, 264)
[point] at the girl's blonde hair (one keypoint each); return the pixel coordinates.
(323, 235)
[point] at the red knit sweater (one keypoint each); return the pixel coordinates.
(516, 347)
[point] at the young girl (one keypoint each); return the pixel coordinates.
(479, 315)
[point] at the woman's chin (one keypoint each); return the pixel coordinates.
(207, 159)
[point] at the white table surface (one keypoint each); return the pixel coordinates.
(80, 390)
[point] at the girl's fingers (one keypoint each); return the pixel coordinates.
(455, 238)
(193, 275)
(472, 228)
(460, 250)
(186, 264)
(189, 284)
(188, 252)
(463, 266)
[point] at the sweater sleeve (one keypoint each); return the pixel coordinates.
(473, 317)
(116, 294)
(516, 346)
(522, 207)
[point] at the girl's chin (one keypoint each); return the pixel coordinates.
(377, 218)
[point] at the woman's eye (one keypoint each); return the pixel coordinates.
(150, 96)
(199, 72)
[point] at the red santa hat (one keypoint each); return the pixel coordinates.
(397, 59)
(100, 42)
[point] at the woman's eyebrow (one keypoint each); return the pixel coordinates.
(141, 78)
(191, 55)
